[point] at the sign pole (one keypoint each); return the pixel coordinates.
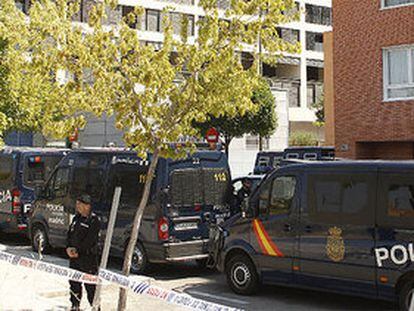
(107, 245)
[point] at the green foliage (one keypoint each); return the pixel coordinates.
(48, 44)
(302, 139)
(260, 121)
(319, 108)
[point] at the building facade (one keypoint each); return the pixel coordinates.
(296, 82)
(373, 79)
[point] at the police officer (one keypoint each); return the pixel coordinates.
(82, 248)
(243, 193)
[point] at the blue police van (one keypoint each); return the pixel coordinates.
(345, 227)
(267, 161)
(21, 170)
(186, 196)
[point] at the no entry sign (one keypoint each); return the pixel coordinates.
(212, 135)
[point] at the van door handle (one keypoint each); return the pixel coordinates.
(308, 229)
(288, 228)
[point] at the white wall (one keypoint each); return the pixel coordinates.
(242, 160)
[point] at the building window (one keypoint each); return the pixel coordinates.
(289, 35)
(314, 41)
(252, 142)
(153, 21)
(318, 15)
(177, 22)
(399, 73)
(394, 3)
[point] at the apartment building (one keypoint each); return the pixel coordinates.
(297, 81)
(373, 79)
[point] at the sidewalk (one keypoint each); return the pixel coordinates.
(26, 289)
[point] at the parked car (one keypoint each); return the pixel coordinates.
(345, 227)
(21, 169)
(267, 161)
(186, 196)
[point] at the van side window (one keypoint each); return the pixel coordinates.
(264, 161)
(310, 156)
(59, 185)
(264, 199)
(283, 191)
(400, 201)
(341, 197)
(396, 198)
(292, 156)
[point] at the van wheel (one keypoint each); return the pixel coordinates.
(40, 240)
(405, 295)
(242, 275)
(139, 262)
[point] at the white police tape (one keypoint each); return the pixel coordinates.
(136, 286)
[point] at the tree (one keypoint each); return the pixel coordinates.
(319, 108)
(34, 52)
(262, 121)
(155, 98)
(303, 139)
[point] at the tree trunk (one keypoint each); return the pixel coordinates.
(260, 143)
(227, 141)
(135, 228)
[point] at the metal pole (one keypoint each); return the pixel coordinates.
(107, 245)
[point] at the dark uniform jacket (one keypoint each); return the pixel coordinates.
(83, 235)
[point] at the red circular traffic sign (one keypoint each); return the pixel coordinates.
(212, 135)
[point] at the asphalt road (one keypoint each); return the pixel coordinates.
(211, 286)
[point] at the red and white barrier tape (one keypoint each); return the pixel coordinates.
(105, 276)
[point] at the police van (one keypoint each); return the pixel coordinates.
(21, 169)
(266, 161)
(186, 196)
(345, 227)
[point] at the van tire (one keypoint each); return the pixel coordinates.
(405, 294)
(139, 261)
(39, 232)
(241, 275)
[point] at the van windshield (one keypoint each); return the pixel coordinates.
(207, 186)
(38, 168)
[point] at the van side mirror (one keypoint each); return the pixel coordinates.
(246, 210)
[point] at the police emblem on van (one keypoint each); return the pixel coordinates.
(335, 246)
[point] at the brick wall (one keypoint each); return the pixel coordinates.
(361, 30)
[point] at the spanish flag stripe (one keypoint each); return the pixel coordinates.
(255, 228)
(262, 237)
(266, 244)
(270, 241)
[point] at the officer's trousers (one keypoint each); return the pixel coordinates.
(76, 287)
(76, 293)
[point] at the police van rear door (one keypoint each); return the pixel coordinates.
(7, 184)
(35, 168)
(199, 194)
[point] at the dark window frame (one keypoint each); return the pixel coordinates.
(362, 217)
(158, 13)
(386, 179)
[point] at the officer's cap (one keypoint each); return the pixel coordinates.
(85, 198)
